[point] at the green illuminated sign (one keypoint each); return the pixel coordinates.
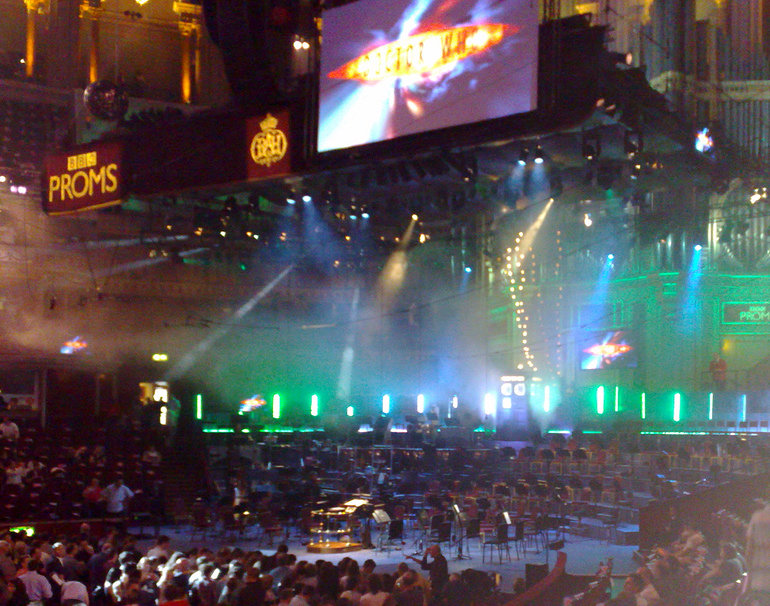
(746, 313)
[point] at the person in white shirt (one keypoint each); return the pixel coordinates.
(758, 550)
(74, 592)
(161, 548)
(37, 586)
(117, 496)
(375, 596)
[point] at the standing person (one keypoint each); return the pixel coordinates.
(718, 370)
(758, 551)
(37, 586)
(92, 499)
(7, 567)
(437, 568)
(117, 496)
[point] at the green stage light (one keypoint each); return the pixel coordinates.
(617, 398)
(199, 406)
(385, 404)
(350, 411)
(711, 406)
(677, 406)
(547, 399)
(314, 405)
(600, 400)
(420, 404)
(743, 407)
(276, 406)
(644, 405)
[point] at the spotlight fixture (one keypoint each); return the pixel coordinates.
(591, 147)
(523, 156)
(704, 141)
(632, 142)
(760, 193)
(3, 178)
(415, 217)
(698, 248)
(636, 170)
(364, 215)
(307, 198)
(588, 220)
(725, 235)
(291, 201)
(468, 269)
(610, 257)
(539, 155)
(621, 58)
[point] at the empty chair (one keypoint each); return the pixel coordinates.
(499, 540)
(518, 537)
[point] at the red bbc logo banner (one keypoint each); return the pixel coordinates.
(84, 179)
(268, 145)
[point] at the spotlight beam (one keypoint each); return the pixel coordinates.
(348, 353)
(392, 278)
(187, 361)
(89, 244)
(111, 271)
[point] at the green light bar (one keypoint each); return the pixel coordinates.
(698, 433)
(592, 431)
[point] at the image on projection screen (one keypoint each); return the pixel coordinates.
(399, 67)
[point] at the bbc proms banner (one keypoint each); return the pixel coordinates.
(87, 178)
(398, 67)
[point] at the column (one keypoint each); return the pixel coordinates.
(92, 10)
(33, 8)
(186, 86)
(189, 28)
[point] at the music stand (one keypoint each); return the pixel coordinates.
(462, 520)
(382, 519)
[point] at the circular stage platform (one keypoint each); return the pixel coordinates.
(333, 547)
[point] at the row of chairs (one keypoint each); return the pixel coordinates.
(226, 521)
(439, 530)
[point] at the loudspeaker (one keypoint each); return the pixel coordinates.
(534, 573)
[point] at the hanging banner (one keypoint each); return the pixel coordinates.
(268, 140)
(84, 179)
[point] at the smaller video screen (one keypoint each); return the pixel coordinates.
(251, 404)
(608, 349)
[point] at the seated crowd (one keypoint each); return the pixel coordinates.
(690, 570)
(111, 571)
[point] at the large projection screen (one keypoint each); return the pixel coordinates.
(398, 67)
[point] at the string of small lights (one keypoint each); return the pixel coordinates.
(515, 272)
